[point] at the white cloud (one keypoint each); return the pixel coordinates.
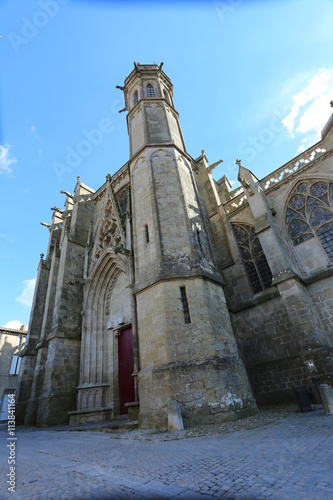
(15, 324)
(302, 146)
(28, 292)
(33, 132)
(311, 108)
(5, 160)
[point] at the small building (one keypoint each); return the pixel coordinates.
(11, 344)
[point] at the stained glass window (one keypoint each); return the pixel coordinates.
(310, 214)
(254, 259)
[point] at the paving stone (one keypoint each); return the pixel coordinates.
(286, 458)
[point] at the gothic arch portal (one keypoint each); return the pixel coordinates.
(107, 308)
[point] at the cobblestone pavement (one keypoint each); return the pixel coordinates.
(290, 458)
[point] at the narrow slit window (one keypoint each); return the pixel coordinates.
(135, 97)
(186, 310)
(150, 90)
(199, 240)
(147, 233)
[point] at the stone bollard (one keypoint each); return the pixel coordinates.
(326, 393)
(175, 421)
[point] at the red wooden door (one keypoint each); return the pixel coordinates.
(126, 368)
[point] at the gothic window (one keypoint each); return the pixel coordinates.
(310, 214)
(150, 90)
(122, 201)
(253, 257)
(135, 97)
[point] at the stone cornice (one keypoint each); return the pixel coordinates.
(11, 331)
(162, 146)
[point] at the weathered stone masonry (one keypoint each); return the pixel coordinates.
(162, 284)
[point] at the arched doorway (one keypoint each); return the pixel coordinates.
(107, 322)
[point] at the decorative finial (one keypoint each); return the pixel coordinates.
(238, 162)
(202, 152)
(108, 178)
(41, 256)
(331, 103)
(161, 65)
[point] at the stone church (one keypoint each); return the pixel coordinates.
(165, 285)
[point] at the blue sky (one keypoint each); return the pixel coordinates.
(252, 80)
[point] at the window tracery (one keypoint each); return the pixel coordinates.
(122, 202)
(310, 214)
(150, 90)
(253, 257)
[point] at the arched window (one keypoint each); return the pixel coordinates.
(310, 214)
(135, 97)
(150, 90)
(166, 96)
(253, 257)
(122, 201)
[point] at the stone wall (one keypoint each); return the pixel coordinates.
(322, 294)
(269, 349)
(60, 382)
(196, 363)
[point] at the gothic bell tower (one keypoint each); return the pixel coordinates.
(187, 348)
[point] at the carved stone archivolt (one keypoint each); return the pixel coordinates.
(115, 276)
